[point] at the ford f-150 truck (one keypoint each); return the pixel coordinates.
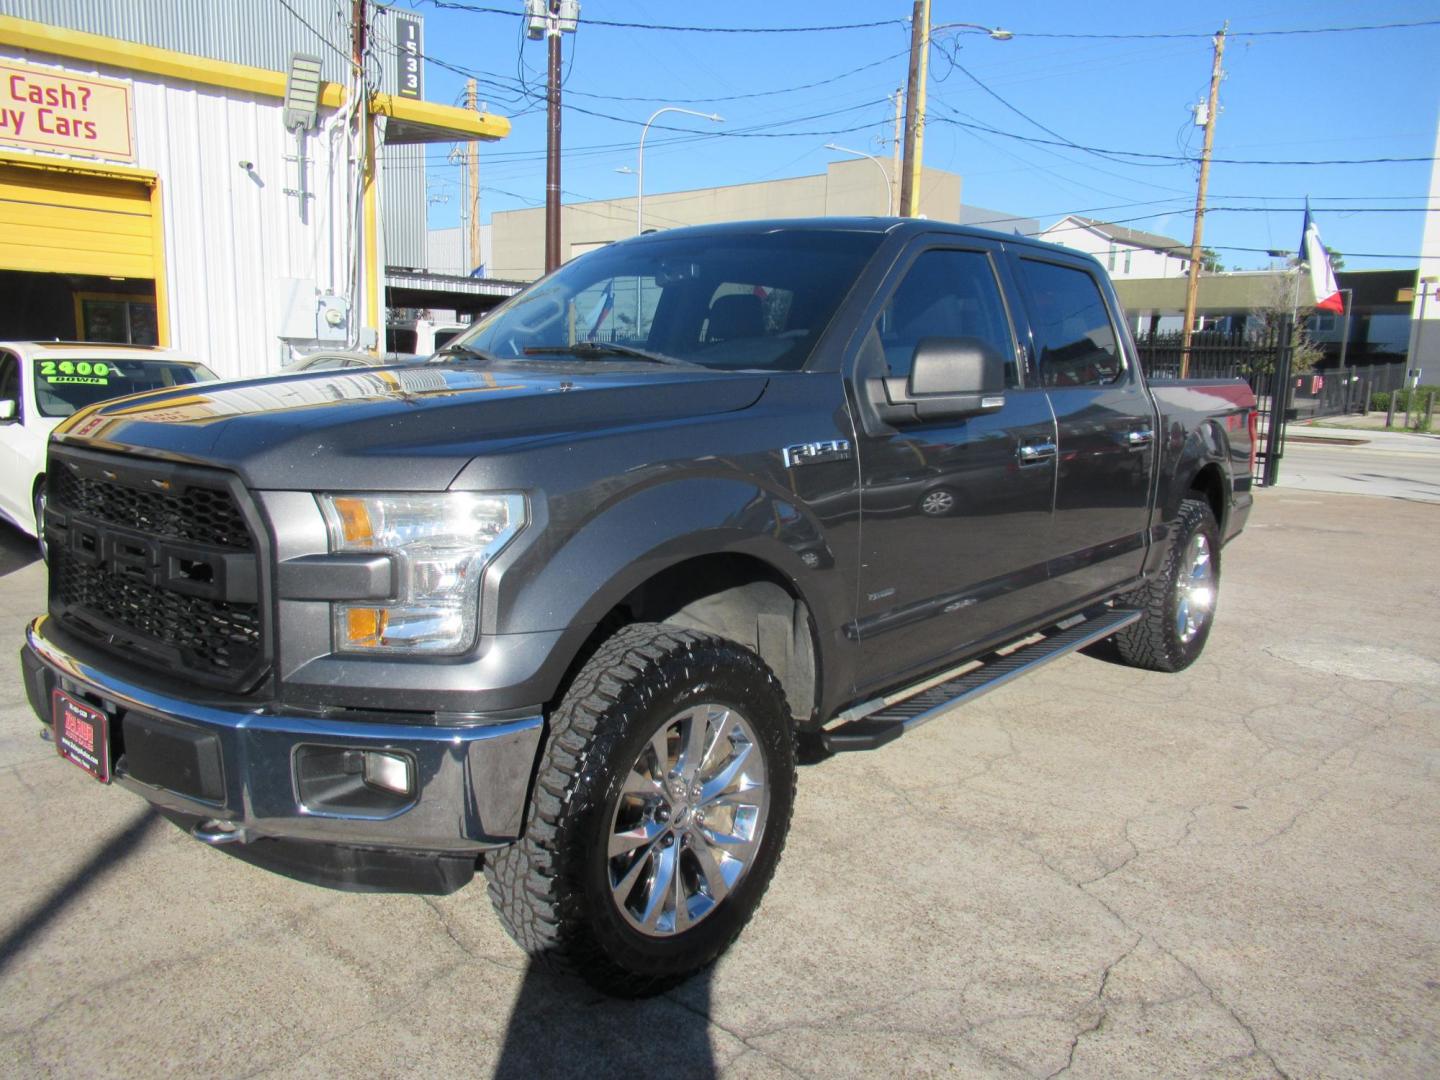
(567, 601)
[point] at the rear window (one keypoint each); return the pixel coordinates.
(64, 386)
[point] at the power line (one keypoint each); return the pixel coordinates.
(456, 5)
(459, 5)
(1178, 158)
(1234, 33)
(955, 63)
(757, 94)
(344, 53)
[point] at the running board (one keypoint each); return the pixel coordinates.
(892, 716)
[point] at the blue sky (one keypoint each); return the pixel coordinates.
(1294, 97)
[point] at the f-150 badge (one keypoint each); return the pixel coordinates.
(813, 453)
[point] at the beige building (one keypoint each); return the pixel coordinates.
(846, 188)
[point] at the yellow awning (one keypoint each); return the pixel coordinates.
(411, 121)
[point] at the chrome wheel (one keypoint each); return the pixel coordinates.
(1194, 589)
(937, 503)
(688, 821)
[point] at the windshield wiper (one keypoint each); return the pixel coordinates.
(598, 349)
(464, 350)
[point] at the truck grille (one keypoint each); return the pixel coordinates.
(156, 563)
(204, 515)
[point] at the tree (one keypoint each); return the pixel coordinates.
(1278, 303)
(1210, 261)
(1337, 261)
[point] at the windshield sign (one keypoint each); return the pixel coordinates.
(732, 302)
(63, 387)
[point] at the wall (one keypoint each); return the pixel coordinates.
(1424, 349)
(232, 236)
(847, 188)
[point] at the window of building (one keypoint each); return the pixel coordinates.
(1127, 260)
(1110, 262)
(125, 320)
(1073, 332)
(945, 294)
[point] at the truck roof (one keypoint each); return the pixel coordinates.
(888, 225)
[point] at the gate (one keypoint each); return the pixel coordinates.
(1261, 357)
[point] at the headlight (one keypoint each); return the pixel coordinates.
(441, 544)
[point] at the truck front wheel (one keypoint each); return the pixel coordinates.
(659, 812)
(1179, 605)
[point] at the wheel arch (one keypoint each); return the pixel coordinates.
(1200, 469)
(735, 595)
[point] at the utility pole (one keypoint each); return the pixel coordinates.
(1192, 287)
(895, 148)
(549, 19)
(472, 162)
(915, 108)
(368, 289)
(552, 145)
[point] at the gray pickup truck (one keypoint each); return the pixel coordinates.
(567, 602)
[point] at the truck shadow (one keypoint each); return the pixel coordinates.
(560, 1027)
(109, 854)
(17, 550)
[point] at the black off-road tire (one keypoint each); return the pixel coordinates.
(1155, 642)
(551, 888)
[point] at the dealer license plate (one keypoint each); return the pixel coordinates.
(82, 735)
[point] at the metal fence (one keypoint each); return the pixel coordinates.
(1261, 357)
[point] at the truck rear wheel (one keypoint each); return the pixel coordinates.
(1179, 604)
(660, 810)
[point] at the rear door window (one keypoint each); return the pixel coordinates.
(1074, 336)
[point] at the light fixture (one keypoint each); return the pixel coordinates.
(302, 92)
(390, 772)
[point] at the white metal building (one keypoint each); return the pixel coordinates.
(149, 194)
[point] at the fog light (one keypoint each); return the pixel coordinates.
(390, 772)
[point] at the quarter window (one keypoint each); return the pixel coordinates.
(1073, 333)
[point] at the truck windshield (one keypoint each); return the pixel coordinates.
(740, 302)
(64, 386)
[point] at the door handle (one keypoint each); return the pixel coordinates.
(1140, 437)
(1035, 453)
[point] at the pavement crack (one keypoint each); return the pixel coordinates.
(1099, 1002)
(1229, 1011)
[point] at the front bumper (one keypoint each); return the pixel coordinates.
(243, 776)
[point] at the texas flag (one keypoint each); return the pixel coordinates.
(1324, 293)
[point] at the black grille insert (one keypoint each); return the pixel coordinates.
(197, 514)
(156, 563)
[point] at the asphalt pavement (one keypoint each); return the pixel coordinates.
(1096, 872)
(1359, 461)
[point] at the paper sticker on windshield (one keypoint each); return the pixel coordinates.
(88, 373)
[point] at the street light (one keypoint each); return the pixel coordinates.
(995, 33)
(921, 34)
(889, 195)
(1426, 284)
(640, 171)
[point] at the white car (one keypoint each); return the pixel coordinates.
(43, 382)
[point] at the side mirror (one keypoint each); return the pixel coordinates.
(9, 411)
(949, 378)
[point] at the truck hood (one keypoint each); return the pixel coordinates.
(407, 428)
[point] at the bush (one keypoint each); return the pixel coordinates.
(1380, 400)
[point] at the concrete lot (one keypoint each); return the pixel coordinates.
(1232, 872)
